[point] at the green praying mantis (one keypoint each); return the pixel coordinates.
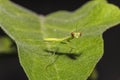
(73, 35)
(63, 40)
(66, 39)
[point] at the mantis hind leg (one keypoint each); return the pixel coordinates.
(53, 59)
(71, 48)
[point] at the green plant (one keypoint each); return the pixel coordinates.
(58, 61)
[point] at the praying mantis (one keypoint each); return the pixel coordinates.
(63, 40)
(73, 35)
(66, 39)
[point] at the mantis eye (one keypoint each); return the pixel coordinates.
(76, 34)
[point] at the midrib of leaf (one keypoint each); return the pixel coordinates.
(43, 28)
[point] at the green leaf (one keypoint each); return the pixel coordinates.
(6, 45)
(53, 60)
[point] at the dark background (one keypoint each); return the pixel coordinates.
(109, 66)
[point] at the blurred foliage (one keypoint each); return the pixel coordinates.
(6, 45)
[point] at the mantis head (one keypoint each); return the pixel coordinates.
(76, 34)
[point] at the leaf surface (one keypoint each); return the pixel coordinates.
(54, 60)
